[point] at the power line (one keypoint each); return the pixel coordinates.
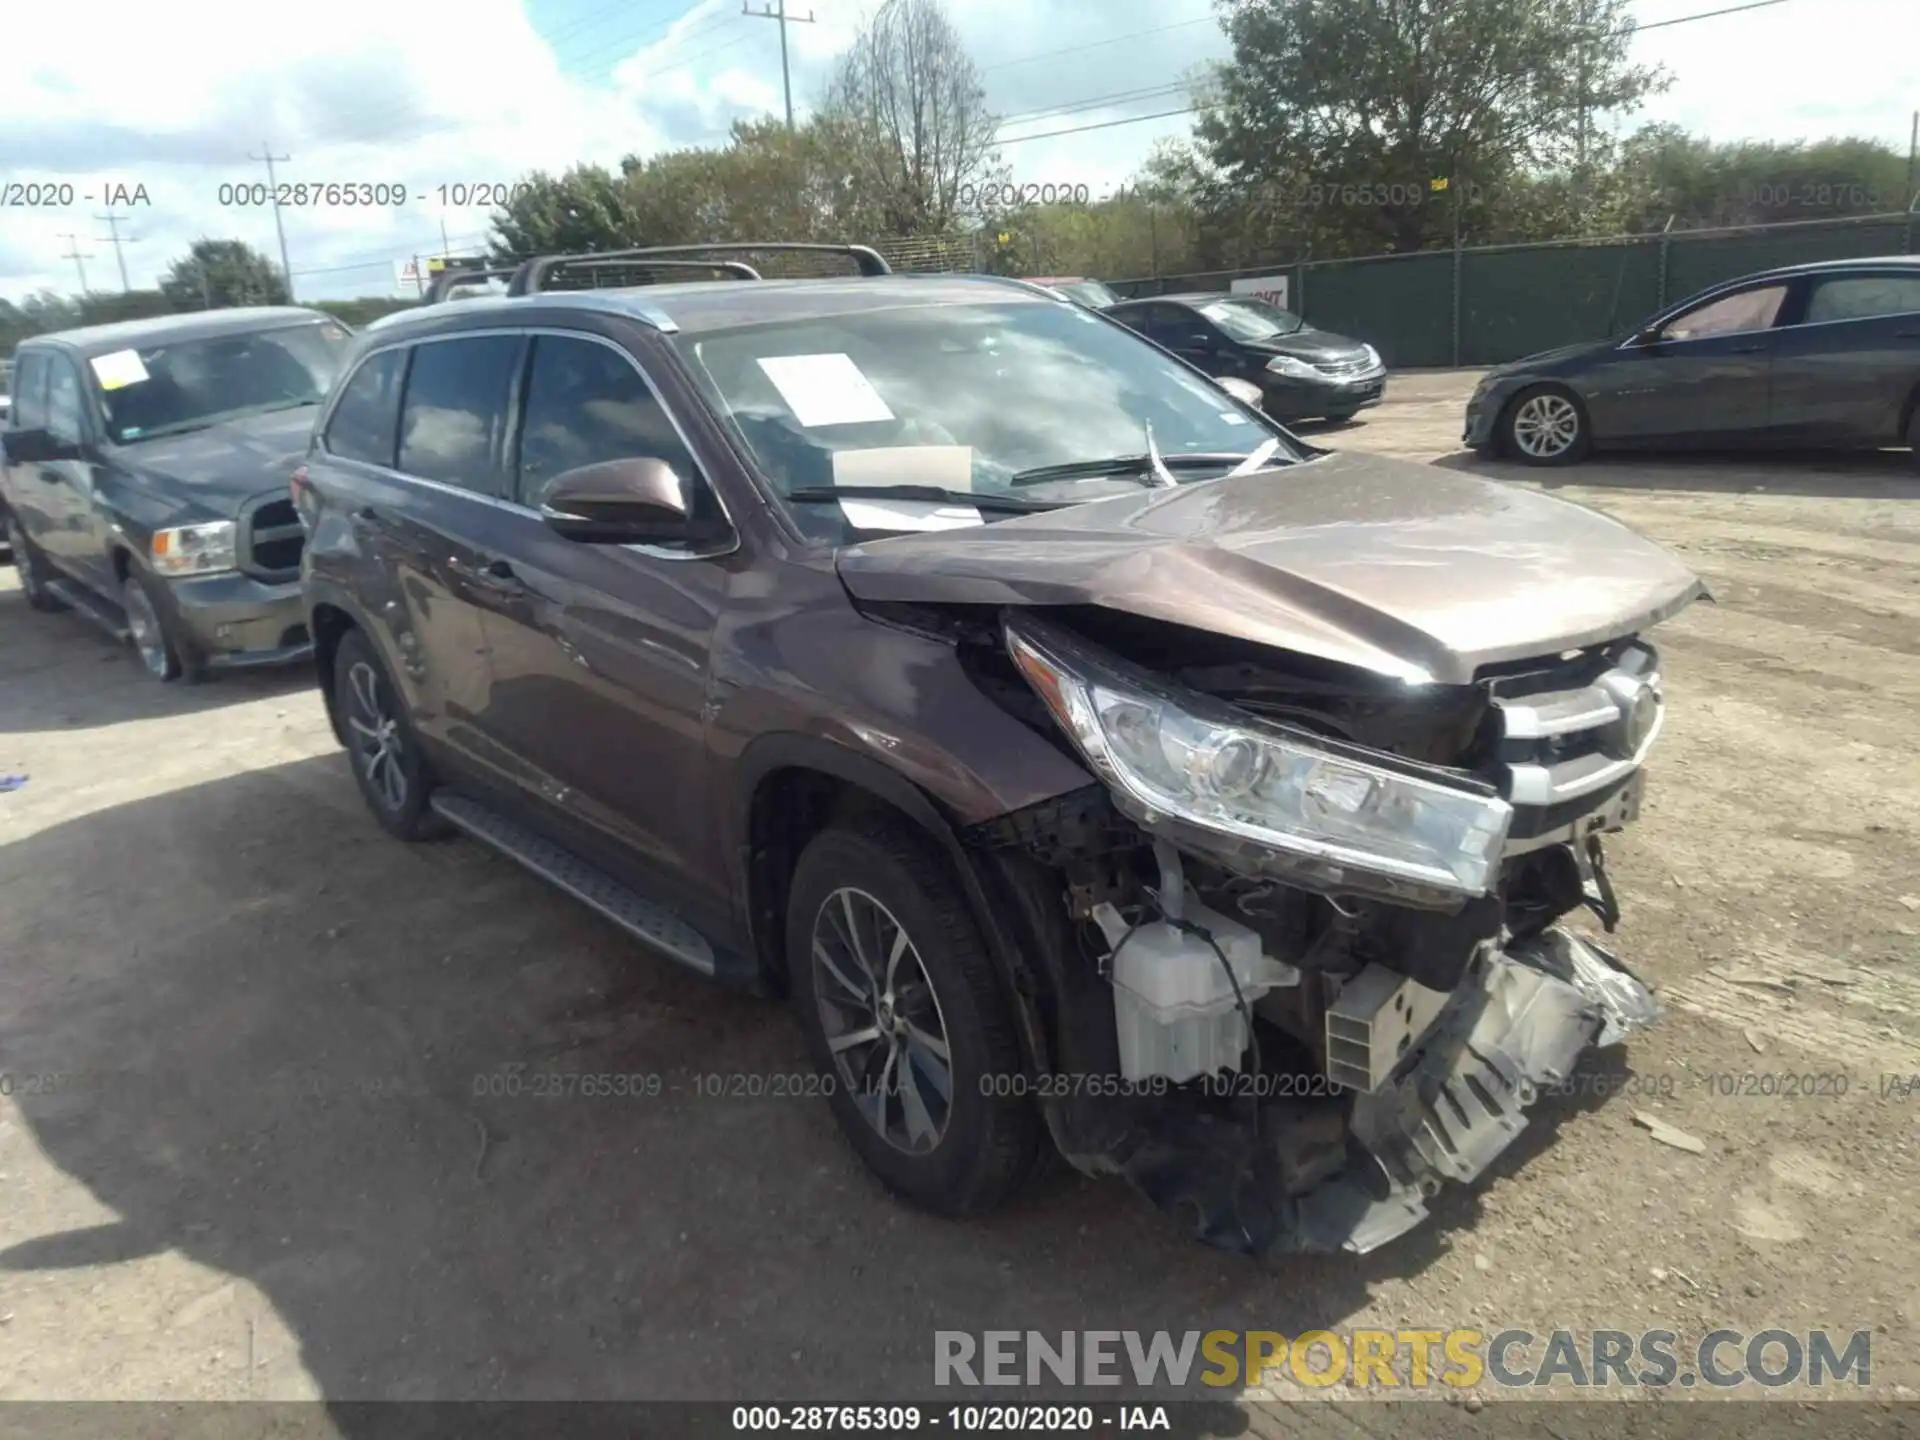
(1102, 125)
(1096, 44)
(1708, 15)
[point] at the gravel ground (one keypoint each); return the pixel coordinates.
(266, 1171)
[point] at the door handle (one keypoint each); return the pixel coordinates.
(496, 575)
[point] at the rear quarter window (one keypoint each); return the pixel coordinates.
(366, 420)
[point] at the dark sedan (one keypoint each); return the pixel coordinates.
(1821, 355)
(1303, 373)
(146, 480)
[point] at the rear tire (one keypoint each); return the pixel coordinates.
(1545, 425)
(34, 570)
(894, 986)
(388, 764)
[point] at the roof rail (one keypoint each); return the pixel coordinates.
(528, 278)
(447, 279)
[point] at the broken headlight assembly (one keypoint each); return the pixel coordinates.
(1355, 819)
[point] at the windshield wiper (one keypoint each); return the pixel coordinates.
(933, 494)
(1134, 465)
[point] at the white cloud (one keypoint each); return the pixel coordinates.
(175, 97)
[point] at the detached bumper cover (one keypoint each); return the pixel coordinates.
(1355, 1173)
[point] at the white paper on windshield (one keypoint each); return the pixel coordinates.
(947, 467)
(118, 370)
(1234, 419)
(825, 390)
(1260, 456)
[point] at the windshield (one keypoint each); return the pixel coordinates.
(1251, 319)
(979, 398)
(1089, 292)
(172, 387)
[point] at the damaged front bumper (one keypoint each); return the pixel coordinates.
(1356, 1170)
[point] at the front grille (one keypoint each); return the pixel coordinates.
(1346, 369)
(1571, 733)
(271, 538)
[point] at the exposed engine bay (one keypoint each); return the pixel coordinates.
(1306, 928)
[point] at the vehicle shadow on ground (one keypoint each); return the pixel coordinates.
(46, 679)
(324, 1062)
(1859, 475)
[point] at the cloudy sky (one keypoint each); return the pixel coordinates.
(175, 98)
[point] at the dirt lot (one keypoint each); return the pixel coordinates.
(267, 1172)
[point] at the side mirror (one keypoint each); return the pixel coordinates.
(637, 501)
(29, 447)
(1651, 335)
(1198, 340)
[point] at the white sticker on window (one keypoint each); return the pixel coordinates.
(825, 390)
(118, 370)
(1234, 419)
(944, 467)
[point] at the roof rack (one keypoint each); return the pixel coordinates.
(446, 280)
(527, 280)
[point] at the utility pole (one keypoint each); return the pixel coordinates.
(1913, 153)
(73, 254)
(1580, 162)
(114, 238)
(778, 11)
(273, 194)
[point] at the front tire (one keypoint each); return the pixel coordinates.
(33, 568)
(156, 641)
(1545, 425)
(388, 764)
(904, 1011)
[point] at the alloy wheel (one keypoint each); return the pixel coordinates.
(882, 1021)
(1546, 425)
(377, 746)
(149, 640)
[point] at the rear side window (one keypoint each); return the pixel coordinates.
(1863, 297)
(64, 412)
(366, 420)
(30, 391)
(587, 403)
(455, 409)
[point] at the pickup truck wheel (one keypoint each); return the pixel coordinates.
(162, 655)
(33, 568)
(388, 764)
(1545, 425)
(904, 1014)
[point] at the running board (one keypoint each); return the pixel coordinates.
(653, 925)
(88, 606)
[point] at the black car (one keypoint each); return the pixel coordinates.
(1303, 373)
(146, 479)
(1824, 355)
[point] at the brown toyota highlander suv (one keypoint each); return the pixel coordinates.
(1090, 762)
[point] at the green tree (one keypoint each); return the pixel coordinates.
(216, 274)
(1331, 119)
(583, 210)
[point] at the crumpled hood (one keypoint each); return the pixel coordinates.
(1405, 569)
(229, 463)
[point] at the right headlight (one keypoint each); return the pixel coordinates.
(1292, 367)
(1195, 759)
(194, 549)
